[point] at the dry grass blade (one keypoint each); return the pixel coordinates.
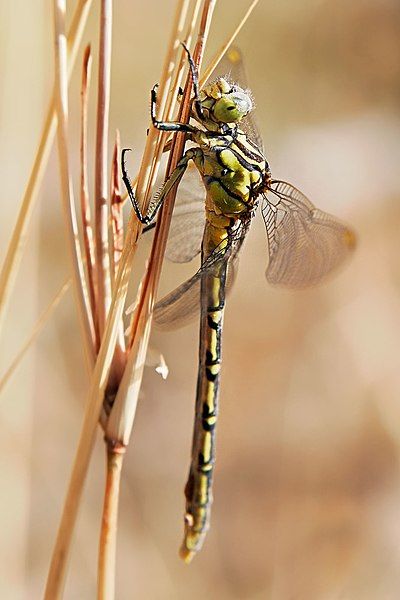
(38, 327)
(101, 166)
(57, 571)
(61, 90)
(88, 242)
(167, 107)
(149, 166)
(19, 235)
(117, 219)
(108, 539)
(117, 244)
(216, 59)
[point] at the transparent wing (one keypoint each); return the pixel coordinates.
(187, 225)
(305, 243)
(231, 66)
(179, 307)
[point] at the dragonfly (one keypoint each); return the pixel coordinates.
(305, 245)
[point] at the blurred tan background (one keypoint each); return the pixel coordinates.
(307, 485)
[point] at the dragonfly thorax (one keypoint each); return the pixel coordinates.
(223, 103)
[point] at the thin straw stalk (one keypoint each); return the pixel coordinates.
(108, 540)
(19, 236)
(101, 165)
(116, 247)
(166, 104)
(88, 242)
(148, 171)
(61, 91)
(57, 571)
(217, 57)
(116, 201)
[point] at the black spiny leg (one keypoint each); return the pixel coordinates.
(195, 79)
(158, 199)
(164, 125)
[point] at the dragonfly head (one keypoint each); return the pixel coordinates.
(224, 102)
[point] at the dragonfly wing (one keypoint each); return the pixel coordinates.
(231, 67)
(305, 243)
(187, 225)
(181, 305)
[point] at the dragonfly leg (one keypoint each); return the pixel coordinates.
(195, 79)
(159, 198)
(166, 125)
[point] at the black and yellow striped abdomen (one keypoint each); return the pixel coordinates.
(199, 485)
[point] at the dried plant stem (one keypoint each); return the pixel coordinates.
(40, 323)
(19, 235)
(88, 242)
(117, 217)
(117, 244)
(108, 539)
(57, 571)
(183, 59)
(101, 165)
(168, 107)
(214, 62)
(61, 94)
(149, 166)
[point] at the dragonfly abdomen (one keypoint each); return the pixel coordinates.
(198, 488)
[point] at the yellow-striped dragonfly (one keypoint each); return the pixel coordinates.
(305, 245)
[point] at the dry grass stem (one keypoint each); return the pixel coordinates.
(148, 170)
(88, 242)
(183, 60)
(57, 571)
(216, 59)
(38, 327)
(108, 539)
(101, 165)
(19, 235)
(117, 217)
(117, 244)
(170, 84)
(61, 91)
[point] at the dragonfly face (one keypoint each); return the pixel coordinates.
(223, 102)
